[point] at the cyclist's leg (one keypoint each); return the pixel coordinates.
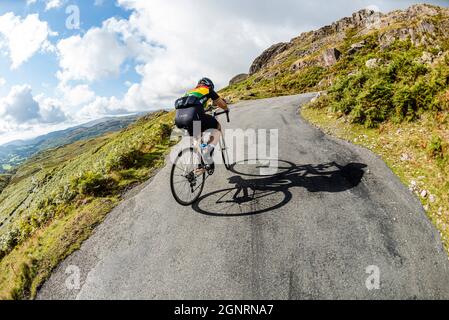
(211, 125)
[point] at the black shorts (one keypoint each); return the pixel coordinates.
(185, 119)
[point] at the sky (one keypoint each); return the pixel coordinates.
(65, 62)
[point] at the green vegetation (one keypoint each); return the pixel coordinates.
(54, 200)
(4, 180)
(305, 80)
(15, 153)
(400, 89)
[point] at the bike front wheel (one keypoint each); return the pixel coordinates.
(187, 177)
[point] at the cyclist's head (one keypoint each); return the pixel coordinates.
(206, 82)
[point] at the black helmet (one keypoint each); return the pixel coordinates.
(206, 82)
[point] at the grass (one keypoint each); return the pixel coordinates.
(55, 199)
(305, 80)
(4, 180)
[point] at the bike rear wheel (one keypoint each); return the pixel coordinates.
(224, 153)
(185, 182)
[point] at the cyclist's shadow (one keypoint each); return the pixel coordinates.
(252, 194)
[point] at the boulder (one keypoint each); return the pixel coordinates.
(372, 63)
(356, 47)
(426, 58)
(331, 56)
(238, 78)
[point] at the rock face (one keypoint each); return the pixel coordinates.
(369, 19)
(238, 78)
(331, 56)
(263, 60)
(422, 24)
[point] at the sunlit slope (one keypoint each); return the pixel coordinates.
(55, 199)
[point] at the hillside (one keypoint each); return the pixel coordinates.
(54, 200)
(4, 180)
(314, 60)
(385, 80)
(15, 153)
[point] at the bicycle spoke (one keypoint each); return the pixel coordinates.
(185, 184)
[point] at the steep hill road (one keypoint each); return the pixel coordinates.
(312, 232)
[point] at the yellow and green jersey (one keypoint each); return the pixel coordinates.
(204, 94)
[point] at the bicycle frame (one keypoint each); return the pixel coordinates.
(198, 140)
(192, 180)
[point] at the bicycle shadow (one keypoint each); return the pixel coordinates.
(252, 193)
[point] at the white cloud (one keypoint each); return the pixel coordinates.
(52, 113)
(49, 4)
(188, 44)
(53, 4)
(2, 82)
(95, 55)
(20, 107)
(100, 53)
(373, 7)
(23, 37)
(100, 107)
(75, 96)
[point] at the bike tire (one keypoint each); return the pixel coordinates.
(225, 154)
(172, 182)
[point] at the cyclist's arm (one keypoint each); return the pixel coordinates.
(219, 102)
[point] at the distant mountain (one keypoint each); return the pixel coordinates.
(16, 152)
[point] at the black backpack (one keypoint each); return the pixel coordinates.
(188, 102)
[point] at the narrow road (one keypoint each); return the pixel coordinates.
(331, 222)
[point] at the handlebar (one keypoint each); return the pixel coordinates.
(222, 112)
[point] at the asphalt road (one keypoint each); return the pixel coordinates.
(332, 218)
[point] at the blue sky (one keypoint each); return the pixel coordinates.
(43, 67)
(137, 55)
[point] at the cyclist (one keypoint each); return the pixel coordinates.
(191, 114)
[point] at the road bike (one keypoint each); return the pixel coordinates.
(190, 171)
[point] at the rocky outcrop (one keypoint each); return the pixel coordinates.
(418, 10)
(368, 19)
(238, 78)
(421, 34)
(363, 19)
(419, 23)
(263, 60)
